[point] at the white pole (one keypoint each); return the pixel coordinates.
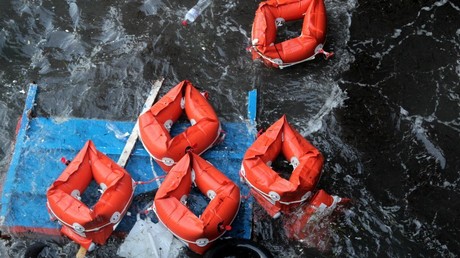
(135, 133)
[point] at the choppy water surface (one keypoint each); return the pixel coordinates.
(384, 111)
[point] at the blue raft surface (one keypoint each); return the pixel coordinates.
(41, 143)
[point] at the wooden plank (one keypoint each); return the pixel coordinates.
(21, 136)
(135, 133)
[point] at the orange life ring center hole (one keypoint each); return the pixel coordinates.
(285, 30)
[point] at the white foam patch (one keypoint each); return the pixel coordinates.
(335, 99)
(69, 43)
(112, 27)
(74, 13)
(150, 7)
(431, 148)
(457, 68)
(421, 135)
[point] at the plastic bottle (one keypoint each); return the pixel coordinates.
(195, 11)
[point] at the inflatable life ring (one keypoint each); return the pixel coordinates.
(272, 14)
(81, 223)
(274, 193)
(155, 125)
(198, 233)
(309, 215)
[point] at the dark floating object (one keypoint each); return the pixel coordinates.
(234, 247)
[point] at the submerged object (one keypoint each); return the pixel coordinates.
(155, 125)
(87, 225)
(199, 233)
(305, 218)
(312, 223)
(274, 193)
(272, 14)
(233, 247)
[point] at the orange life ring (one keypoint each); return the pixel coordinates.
(199, 233)
(294, 50)
(273, 192)
(155, 124)
(319, 206)
(81, 223)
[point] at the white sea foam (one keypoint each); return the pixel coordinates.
(421, 135)
(74, 13)
(150, 7)
(431, 148)
(334, 100)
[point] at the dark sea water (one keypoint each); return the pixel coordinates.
(384, 111)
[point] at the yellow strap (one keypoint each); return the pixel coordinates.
(81, 252)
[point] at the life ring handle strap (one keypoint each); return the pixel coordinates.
(194, 242)
(284, 65)
(267, 196)
(93, 229)
(219, 138)
(71, 226)
(185, 240)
